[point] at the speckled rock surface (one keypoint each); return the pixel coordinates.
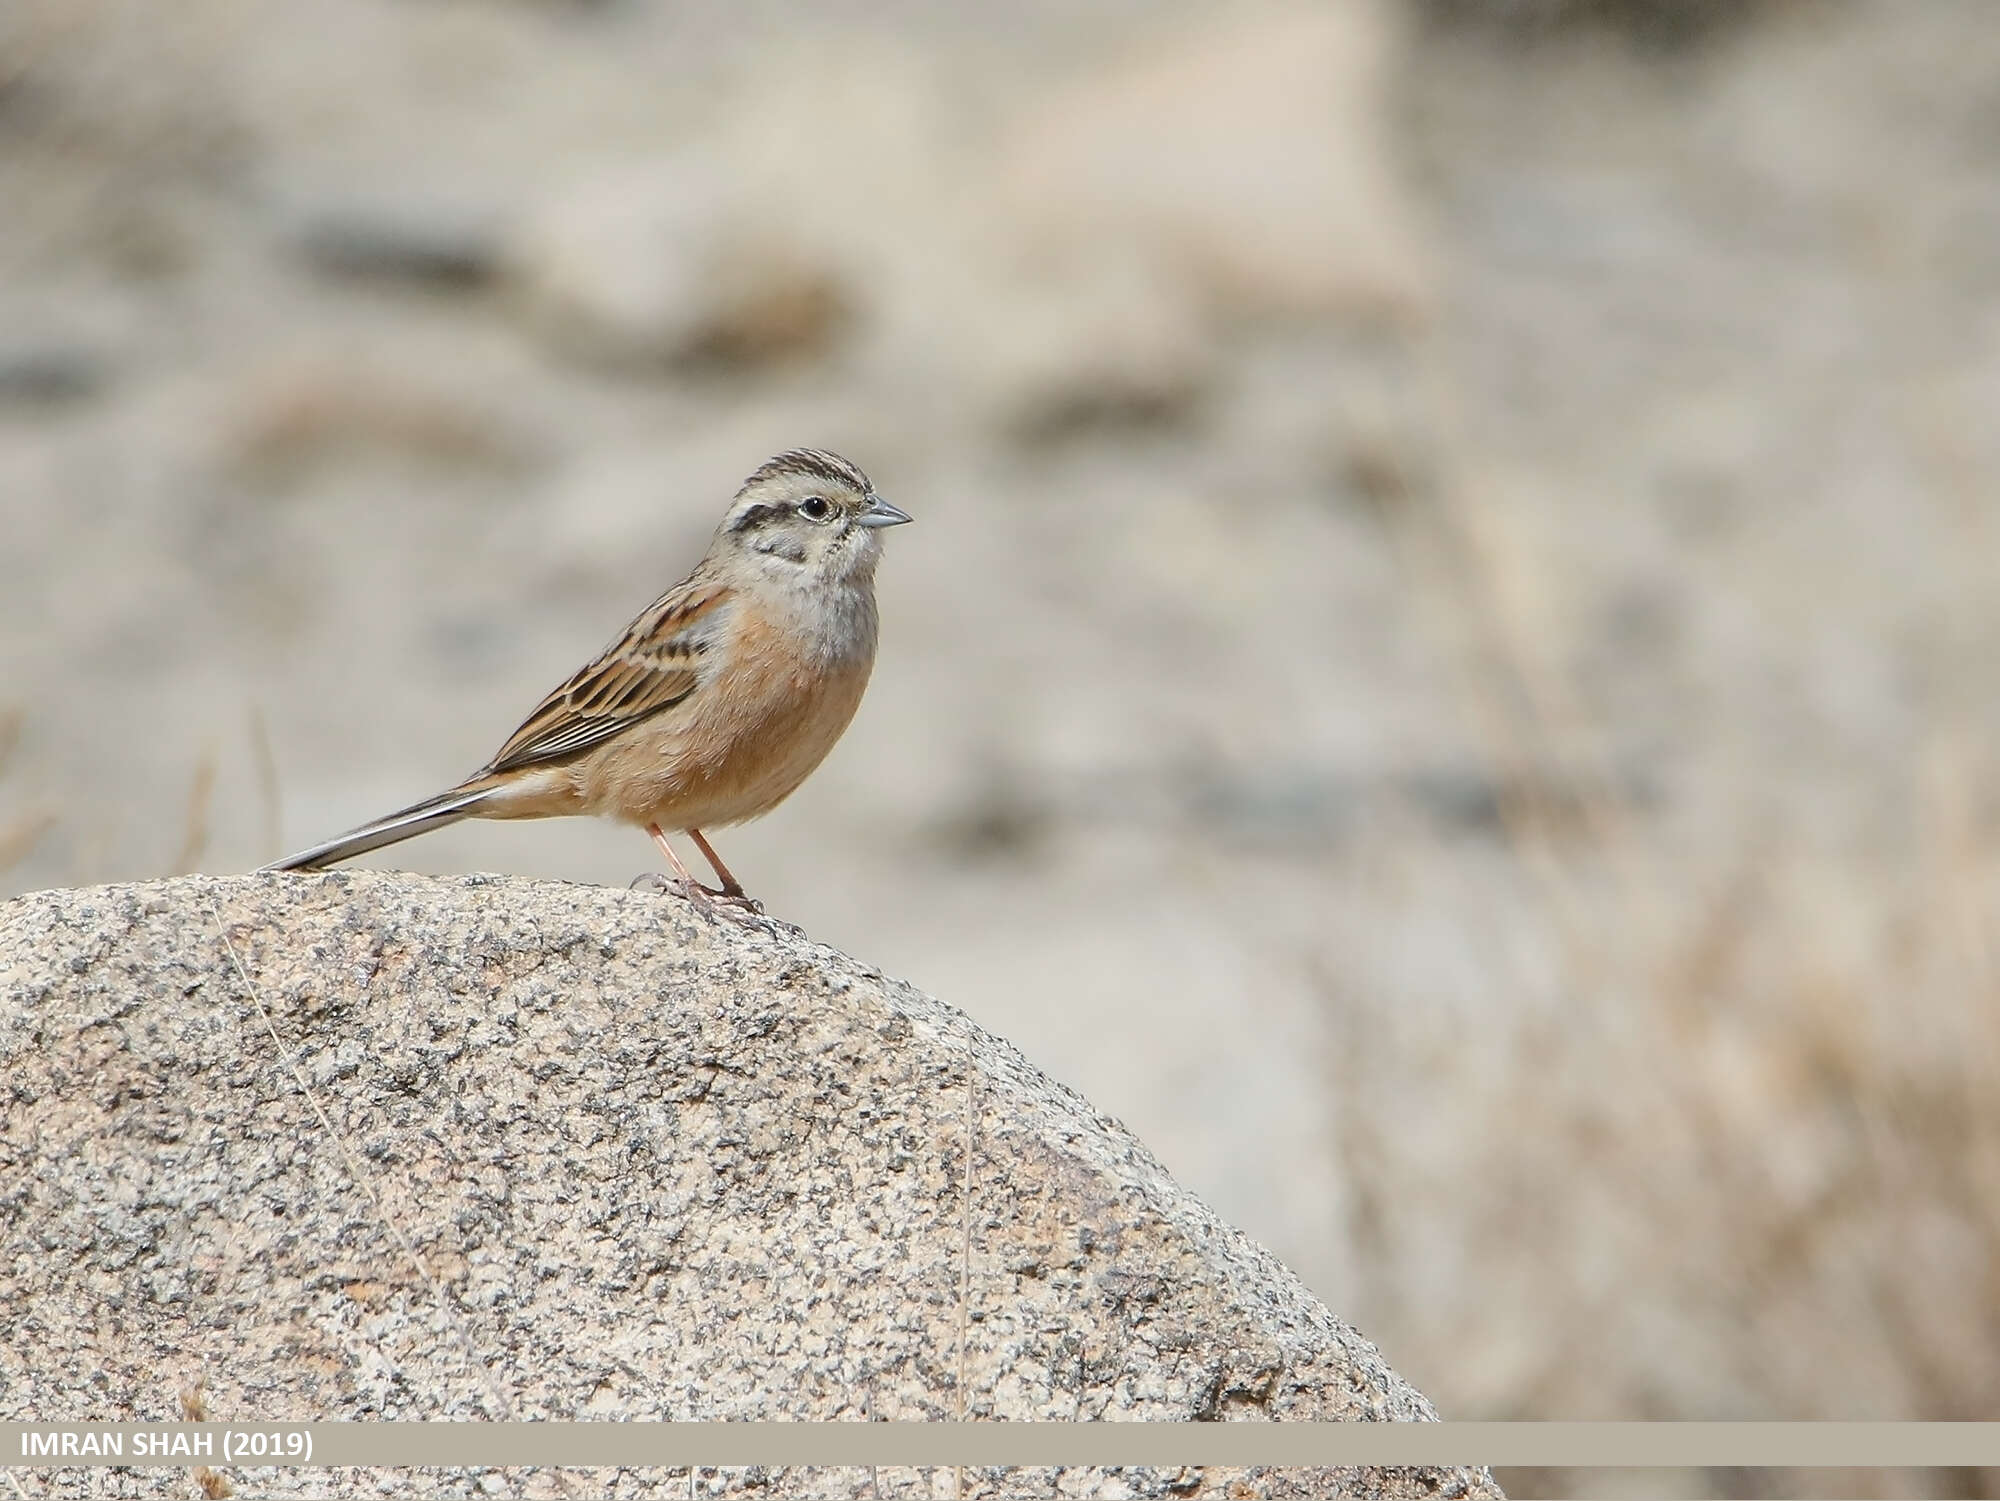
(586, 1153)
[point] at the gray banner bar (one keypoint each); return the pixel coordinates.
(921, 1444)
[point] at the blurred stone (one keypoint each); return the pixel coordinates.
(1096, 344)
(49, 374)
(294, 416)
(1663, 24)
(409, 240)
(658, 1166)
(1006, 814)
(1249, 155)
(663, 263)
(1385, 471)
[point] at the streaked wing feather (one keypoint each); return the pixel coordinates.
(649, 668)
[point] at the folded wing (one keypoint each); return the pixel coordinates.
(650, 668)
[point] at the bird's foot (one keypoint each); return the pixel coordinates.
(733, 896)
(733, 905)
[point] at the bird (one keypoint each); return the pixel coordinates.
(716, 702)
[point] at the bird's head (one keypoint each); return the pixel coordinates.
(811, 511)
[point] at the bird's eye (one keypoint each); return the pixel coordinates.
(815, 508)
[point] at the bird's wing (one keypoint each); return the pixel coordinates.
(649, 668)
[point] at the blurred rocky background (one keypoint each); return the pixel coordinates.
(1448, 672)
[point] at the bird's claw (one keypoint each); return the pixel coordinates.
(734, 905)
(723, 897)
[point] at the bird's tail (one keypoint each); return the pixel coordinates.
(406, 823)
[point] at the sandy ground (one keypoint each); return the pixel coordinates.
(1445, 672)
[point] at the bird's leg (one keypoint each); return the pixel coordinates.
(732, 889)
(692, 889)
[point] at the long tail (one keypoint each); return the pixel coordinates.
(407, 823)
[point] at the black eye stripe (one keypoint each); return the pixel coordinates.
(753, 516)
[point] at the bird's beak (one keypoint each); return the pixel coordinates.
(881, 513)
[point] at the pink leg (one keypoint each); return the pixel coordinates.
(732, 889)
(692, 889)
(730, 885)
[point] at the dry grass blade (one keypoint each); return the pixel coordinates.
(268, 796)
(194, 831)
(194, 1409)
(11, 723)
(18, 841)
(965, 1257)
